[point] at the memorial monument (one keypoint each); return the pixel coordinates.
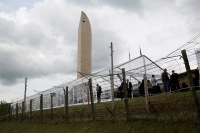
(84, 64)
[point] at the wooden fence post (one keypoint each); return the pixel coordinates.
(125, 95)
(41, 108)
(17, 112)
(92, 100)
(9, 118)
(190, 78)
(22, 118)
(30, 115)
(66, 104)
(51, 106)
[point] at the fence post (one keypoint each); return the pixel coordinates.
(3, 116)
(22, 118)
(41, 108)
(125, 95)
(92, 100)
(187, 66)
(9, 113)
(30, 116)
(51, 106)
(146, 92)
(66, 104)
(88, 99)
(16, 111)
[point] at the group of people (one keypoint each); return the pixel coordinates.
(173, 84)
(152, 86)
(129, 88)
(170, 83)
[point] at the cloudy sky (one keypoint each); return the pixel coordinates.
(38, 38)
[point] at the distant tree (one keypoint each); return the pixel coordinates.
(4, 108)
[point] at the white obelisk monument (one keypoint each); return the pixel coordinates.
(84, 65)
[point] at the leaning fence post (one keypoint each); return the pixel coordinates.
(91, 97)
(16, 111)
(125, 95)
(30, 116)
(41, 108)
(187, 66)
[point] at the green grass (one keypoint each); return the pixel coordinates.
(172, 106)
(175, 113)
(100, 127)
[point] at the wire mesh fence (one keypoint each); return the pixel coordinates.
(172, 106)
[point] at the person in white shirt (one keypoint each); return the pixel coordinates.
(153, 82)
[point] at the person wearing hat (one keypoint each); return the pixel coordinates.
(165, 80)
(174, 81)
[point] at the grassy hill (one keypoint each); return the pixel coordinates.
(101, 127)
(170, 113)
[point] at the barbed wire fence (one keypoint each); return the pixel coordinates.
(77, 100)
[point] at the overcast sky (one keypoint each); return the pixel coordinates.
(38, 39)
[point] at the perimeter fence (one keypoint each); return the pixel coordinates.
(77, 100)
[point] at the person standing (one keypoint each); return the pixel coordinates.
(174, 81)
(129, 88)
(121, 90)
(141, 88)
(153, 82)
(165, 80)
(158, 88)
(150, 88)
(184, 86)
(98, 89)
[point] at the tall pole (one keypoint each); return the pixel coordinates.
(24, 105)
(112, 79)
(187, 66)
(145, 85)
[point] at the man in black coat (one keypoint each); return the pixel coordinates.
(129, 88)
(174, 81)
(121, 90)
(165, 80)
(141, 88)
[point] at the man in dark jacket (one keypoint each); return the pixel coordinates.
(141, 88)
(121, 90)
(129, 88)
(165, 80)
(99, 91)
(174, 81)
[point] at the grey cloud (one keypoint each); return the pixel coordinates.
(32, 38)
(101, 51)
(128, 5)
(135, 5)
(28, 34)
(15, 66)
